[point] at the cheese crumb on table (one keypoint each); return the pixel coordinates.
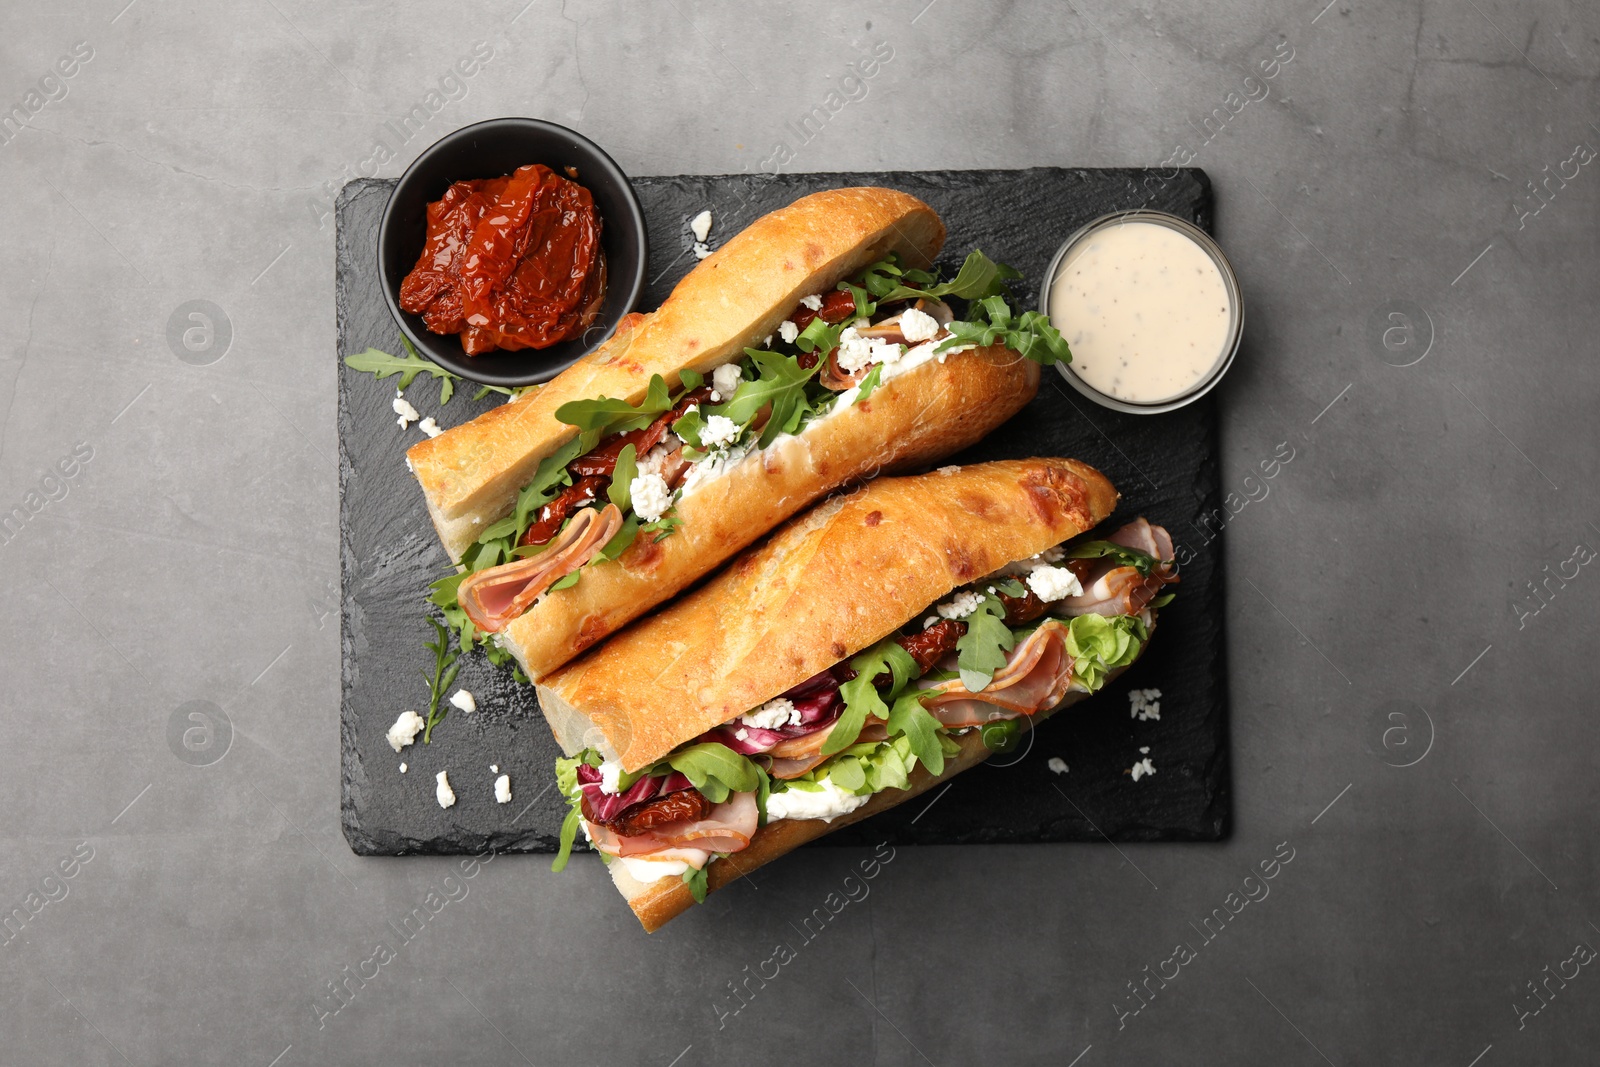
(402, 768)
(405, 729)
(1142, 768)
(700, 226)
(407, 413)
(1144, 704)
(502, 789)
(701, 250)
(1057, 765)
(442, 792)
(430, 427)
(464, 700)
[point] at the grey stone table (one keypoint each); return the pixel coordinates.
(1409, 194)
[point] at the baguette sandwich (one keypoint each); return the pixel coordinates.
(812, 350)
(874, 647)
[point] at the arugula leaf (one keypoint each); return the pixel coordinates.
(819, 336)
(1030, 336)
(662, 527)
(1143, 562)
(716, 770)
(445, 669)
(978, 277)
(617, 416)
(869, 383)
(382, 365)
(689, 425)
(621, 540)
(921, 730)
(696, 881)
(691, 380)
(622, 476)
(567, 581)
(861, 697)
(782, 384)
(982, 649)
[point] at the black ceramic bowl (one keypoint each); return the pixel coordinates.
(488, 150)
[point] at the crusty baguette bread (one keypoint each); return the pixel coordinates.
(929, 412)
(831, 583)
(656, 903)
(733, 299)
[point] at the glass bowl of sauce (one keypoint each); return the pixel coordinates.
(1150, 307)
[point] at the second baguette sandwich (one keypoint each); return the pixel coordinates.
(874, 646)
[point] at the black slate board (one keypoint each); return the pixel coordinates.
(1165, 467)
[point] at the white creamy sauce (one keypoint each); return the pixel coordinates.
(1145, 310)
(648, 870)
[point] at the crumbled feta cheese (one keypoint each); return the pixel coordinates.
(954, 468)
(407, 413)
(1142, 768)
(442, 791)
(960, 606)
(405, 729)
(402, 768)
(494, 768)
(464, 700)
(409, 467)
(1050, 584)
(779, 711)
(1053, 554)
(1144, 704)
(650, 495)
(651, 461)
(719, 430)
(1057, 765)
(788, 331)
(768, 342)
(726, 378)
(430, 427)
(700, 226)
(929, 621)
(741, 734)
(826, 804)
(701, 250)
(857, 352)
(502, 789)
(813, 302)
(610, 775)
(917, 325)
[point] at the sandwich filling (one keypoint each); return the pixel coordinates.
(623, 473)
(987, 658)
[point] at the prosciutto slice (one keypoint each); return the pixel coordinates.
(1036, 677)
(492, 598)
(728, 828)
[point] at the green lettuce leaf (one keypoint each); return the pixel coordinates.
(1099, 644)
